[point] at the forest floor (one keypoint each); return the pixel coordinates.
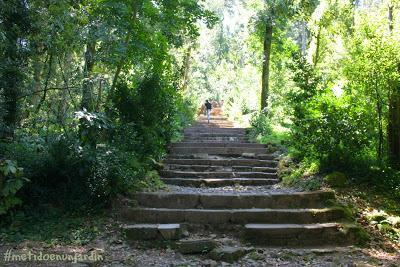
(102, 236)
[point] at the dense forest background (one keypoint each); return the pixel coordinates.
(319, 77)
(91, 92)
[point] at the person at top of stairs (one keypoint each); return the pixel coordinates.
(208, 110)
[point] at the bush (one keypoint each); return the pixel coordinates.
(11, 181)
(336, 179)
(323, 126)
(159, 113)
(260, 124)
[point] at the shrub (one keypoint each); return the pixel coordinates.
(11, 181)
(336, 179)
(260, 124)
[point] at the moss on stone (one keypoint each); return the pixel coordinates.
(336, 179)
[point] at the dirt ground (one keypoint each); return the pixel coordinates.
(110, 249)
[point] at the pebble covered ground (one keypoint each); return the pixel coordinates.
(117, 253)
(270, 189)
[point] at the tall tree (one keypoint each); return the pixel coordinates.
(15, 25)
(394, 109)
(276, 14)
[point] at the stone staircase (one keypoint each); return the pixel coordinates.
(219, 181)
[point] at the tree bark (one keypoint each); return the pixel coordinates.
(121, 62)
(266, 64)
(15, 27)
(303, 37)
(317, 46)
(87, 87)
(186, 68)
(393, 133)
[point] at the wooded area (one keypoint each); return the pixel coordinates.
(92, 92)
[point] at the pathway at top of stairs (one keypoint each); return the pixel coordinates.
(218, 181)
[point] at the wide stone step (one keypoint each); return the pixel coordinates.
(208, 156)
(152, 231)
(208, 168)
(215, 118)
(222, 162)
(218, 150)
(219, 182)
(315, 199)
(215, 134)
(201, 129)
(213, 121)
(220, 144)
(217, 174)
(232, 216)
(216, 139)
(299, 234)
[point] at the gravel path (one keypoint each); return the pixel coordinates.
(274, 189)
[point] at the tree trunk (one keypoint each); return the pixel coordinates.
(186, 68)
(87, 87)
(317, 46)
(121, 62)
(379, 105)
(303, 37)
(393, 133)
(394, 126)
(266, 63)
(15, 26)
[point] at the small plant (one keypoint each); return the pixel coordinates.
(260, 125)
(11, 181)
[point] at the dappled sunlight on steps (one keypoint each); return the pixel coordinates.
(217, 155)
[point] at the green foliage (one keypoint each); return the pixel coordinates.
(322, 124)
(302, 175)
(260, 124)
(159, 113)
(64, 57)
(53, 227)
(11, 181)
(386, 224)
(336, 179)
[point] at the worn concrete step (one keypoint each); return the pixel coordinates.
(200, 135)
(222, 162)
(215, 118)
(232, 216)
(219, 182)
(208, 168)
(254, 169)
(155, 231)
(213, 123)
(201, 128)
(214, 150)
(314, 199)
(216, 129)
(220, 144)
(208, 156)
(217, 139)
(300, 234)
(217, 174)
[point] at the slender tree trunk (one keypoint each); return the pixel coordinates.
(394, 126)
(121, 62)
(186, 68)
(87, 87)
(13, 19)
(317, 46)
(380, 121)
(393, 133)
(303, 37)
(266, 63)
(37, 79)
